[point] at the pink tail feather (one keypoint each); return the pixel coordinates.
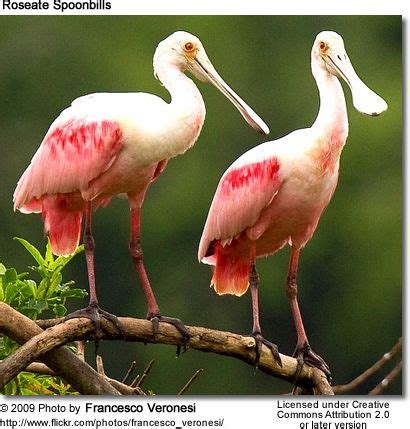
(62, 224)
(231, 275)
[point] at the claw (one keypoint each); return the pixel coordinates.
(155, 325)
(155, 320)
(259, 340)
(94, 313)
(305, 354)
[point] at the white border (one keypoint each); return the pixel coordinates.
(251, 411)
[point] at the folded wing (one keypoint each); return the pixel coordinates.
(243, 192)
(76, 149)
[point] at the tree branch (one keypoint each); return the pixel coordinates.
(344, 388)
(124, 389)
(378, 390)
(203, 339)
(79, 374)
(39, 368)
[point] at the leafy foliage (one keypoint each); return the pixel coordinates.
(48, 297)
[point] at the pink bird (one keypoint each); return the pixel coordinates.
(108, 144)
(275, 193)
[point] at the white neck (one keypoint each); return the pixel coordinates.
(332, 117)
(186, 109)
(177, 83)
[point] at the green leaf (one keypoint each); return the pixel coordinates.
(24, 391)
(25, 290)
(67, 284)
(49, 254)
(31, 299)
(59, 310)
(55, 282)
(39, 305)
(10, 292)
(42, 288)
(10, 388)
(33, 287)
(62, 261)
(10, 275)
(32, 250)
(21, 276)
(73, 293)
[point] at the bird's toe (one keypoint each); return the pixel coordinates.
(305, 354)
(94, 313)
(259, 340)
(155, 320)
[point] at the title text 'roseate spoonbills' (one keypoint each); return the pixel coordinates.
(275, 193)
(108, 144)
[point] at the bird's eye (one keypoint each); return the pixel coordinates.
(189, 47)
(322, 46)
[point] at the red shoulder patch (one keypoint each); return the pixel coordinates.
(76, 137)
(255, 172)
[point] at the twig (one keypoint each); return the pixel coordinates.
(139, 379)
(100, 365)
(190, 381)
(387, 380)
(40, 368)
(79, 374)
(129, 372)
(124, 389)
(121, 387)
(80, 349)
(344, 388)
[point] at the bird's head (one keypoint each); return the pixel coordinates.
(329, 55)
(180, 49)
(185, 52)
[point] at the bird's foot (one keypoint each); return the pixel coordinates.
(259, 340)
(156, 319)
(94, 313)
(305, 354)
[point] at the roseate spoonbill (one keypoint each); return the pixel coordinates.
(275, 193)
(108, 144)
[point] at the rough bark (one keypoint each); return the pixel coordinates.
(76, 372)
(44, 345)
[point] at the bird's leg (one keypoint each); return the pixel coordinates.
(256, 331)
(93, 311)
(135, 248)
(89, 245)
(303, 352)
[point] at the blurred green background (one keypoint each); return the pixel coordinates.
(350, 277)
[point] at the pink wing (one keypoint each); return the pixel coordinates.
(74, 151)
(242, 193)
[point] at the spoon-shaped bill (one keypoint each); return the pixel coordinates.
(364, 99)
(203, 69)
